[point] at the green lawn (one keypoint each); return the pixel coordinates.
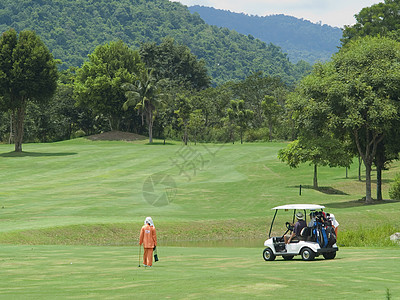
(216, 189)
(70, 214)
(49, 272)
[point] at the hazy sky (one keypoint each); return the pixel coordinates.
(332, 12)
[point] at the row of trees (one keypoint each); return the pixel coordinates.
(159, 89)
(350, 106)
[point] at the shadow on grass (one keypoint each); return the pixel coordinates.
(357, 203)
(323, 189)
(159, 143)
(35, 154)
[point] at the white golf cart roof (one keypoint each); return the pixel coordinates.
(300, 206)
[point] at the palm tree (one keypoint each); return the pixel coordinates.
(145, 96)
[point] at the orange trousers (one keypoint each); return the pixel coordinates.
(148, 256)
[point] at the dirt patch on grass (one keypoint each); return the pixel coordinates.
(116, 136)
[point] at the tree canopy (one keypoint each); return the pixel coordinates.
(99, 82)
(28, 73)
(356, 96)
(380, 19)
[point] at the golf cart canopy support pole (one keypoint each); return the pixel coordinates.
(272, 223)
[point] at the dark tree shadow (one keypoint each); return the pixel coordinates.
(35, 154)
(358, 203)
(323, 189)
(159, 143)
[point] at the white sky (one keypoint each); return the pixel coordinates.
(332, 12)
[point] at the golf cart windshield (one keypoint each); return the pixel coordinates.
(295, 207)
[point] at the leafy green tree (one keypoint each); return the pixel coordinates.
(240, 116)
(145, 95)
(98, 84)
(196, 124)
(356, 96)
(175, 62)
(377, 20)
(272, 112)
(28, 73)
(254, 89)
(183, 112)
(318, 151)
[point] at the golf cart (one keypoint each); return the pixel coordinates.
(318, 239)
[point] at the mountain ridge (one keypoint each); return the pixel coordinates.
(300, 39)
(71, 29)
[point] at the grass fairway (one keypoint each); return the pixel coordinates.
(70, 213)
(83, 182)
(40, 272)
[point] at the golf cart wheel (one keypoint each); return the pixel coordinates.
(268, 254)
(287, 257)
(307, 254)
(329, 255)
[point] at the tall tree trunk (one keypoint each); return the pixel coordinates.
(368, 194)
(19, 116)
(372, 139)
(11, 138)
(185, 135)
(270, 131)
(150, 123)
(359, 168)
(378, 182)
(315, 176)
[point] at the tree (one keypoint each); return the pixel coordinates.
(254, 89)
(371, 69)
(318, 151)
(196, 123)
(99, 82)
(145, 95)
(175, 62)
(272, 110)
(28, 73)
(377, 20)
(240, 116)
(184, 110)
(356, 96)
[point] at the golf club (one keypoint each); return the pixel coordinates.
(140, 248)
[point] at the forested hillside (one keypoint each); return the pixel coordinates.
(73, 28)
(301, 39)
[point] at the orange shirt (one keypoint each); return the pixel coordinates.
(148, 236)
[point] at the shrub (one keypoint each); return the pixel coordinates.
(394, 191)
(258, 134)
(79, 133)
(378, 236)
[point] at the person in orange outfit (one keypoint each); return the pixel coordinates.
(148, 238)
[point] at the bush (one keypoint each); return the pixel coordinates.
(378, 236)
(79, 133)
(258, 134)
(394, 191)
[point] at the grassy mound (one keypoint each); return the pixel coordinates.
(116, 136)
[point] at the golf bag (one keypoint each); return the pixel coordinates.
(330, 231)
(324, 231)
(319, 230)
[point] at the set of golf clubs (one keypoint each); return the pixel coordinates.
(154, 254)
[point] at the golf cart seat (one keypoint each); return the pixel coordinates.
(307, 234)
